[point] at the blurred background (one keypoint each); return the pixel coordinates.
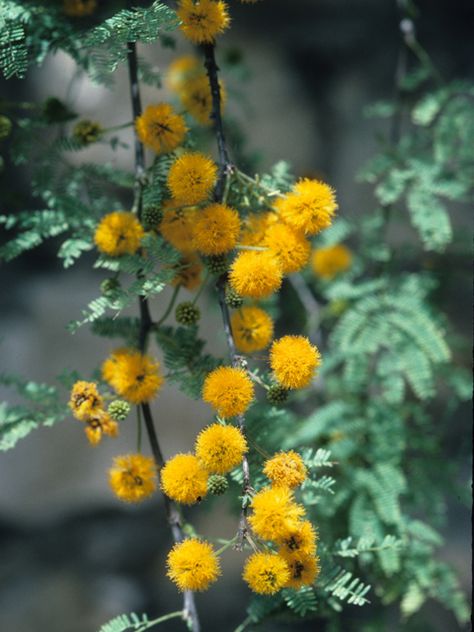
(74, 554)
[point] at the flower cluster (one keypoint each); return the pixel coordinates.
(87, 405)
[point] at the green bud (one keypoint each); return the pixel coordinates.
(187, 313)
(87, 132)
(232, 298)
(217, 484)
(119, 409)
(277, 395)
(151, 217)
(217, 265)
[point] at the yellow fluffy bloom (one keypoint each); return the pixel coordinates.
(202, 20)
(294, 360)
(309, 207)
(216, 229)
(252, 328)
(79, 8)
(266, 573)
(228, 390)
(133, 477)
(134, 376)
(301, 538)
(160, 128)
(191, 178)
(274, 513)
(285, 468)
(220, 448)
(184, 479)
(330, 261)
(85, 400)
(188, 273)
(177, 227)
(255, 274)
(254, 227)
(291, 247)
(304, 569)
(193, 565)
(196, 98)
(118, 233)
(181, 70)
(99, 424)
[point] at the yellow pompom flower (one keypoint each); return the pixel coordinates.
(304, 569)
(79, 8)
(330, 261)
(254, 227)
(118, 233)
(216, 229)
(252, 328)
(285, 468)
(196, 98)
(294, 360)
(266, 573)
(191, 178)
(255, 274)
(274, 513)
(228, 390)
(177, 227)
(99, 424)
(188, 273)
(181, 70)
(193, 565)
(184, 479)
(85, 400)
(202, 20)
(289, 246)
(301, 538)
(160, 128)
(309, 207)
(134, 376)
(220, 448)
(133, 477)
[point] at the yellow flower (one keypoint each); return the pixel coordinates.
(309, 207)
(79, 8)
(188, 273)
(266, 573)
(289, 246)
(85, 400)
(274, 513)
(196, 98)
(216, 229)
(118, 233)
(294, 360)
(181, 70)
(255, 274)
(193, 565)
(202, 20)
(184, 479)
(220, 448)
(304, 569)
(133, 477)
(330, 261)
(301, 538)
(134, 376)
(285, 468)
(228, 390)
(177, 227)
(252, 328)
(160, 128)
(254, 227)
(99, 424)
(192, 177)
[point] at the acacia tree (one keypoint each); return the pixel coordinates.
(203, 224)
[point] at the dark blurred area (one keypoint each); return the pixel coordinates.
(73, 557)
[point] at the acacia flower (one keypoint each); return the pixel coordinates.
(133, 477)
(274, 513)
(193, 565)
(188, 272)
(252, 328)
(177, 227)
(220, 448)
(255, 274)
(191, 178)
(85, 400)
(304, 569)
(266, 573)
(294, 360)
(309, 207)
(196, 98)
(254, 227)
(216, 229)
(228, 390)
(79, 8)
(133, 375)
(181, 70)
(118, 233)
(160, 128)
(285, 468)
(100, 423)
(184, 479)
(301, 538)
(202, 20)
(289, 246)
(330, 261)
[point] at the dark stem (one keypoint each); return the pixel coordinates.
(137, 110)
